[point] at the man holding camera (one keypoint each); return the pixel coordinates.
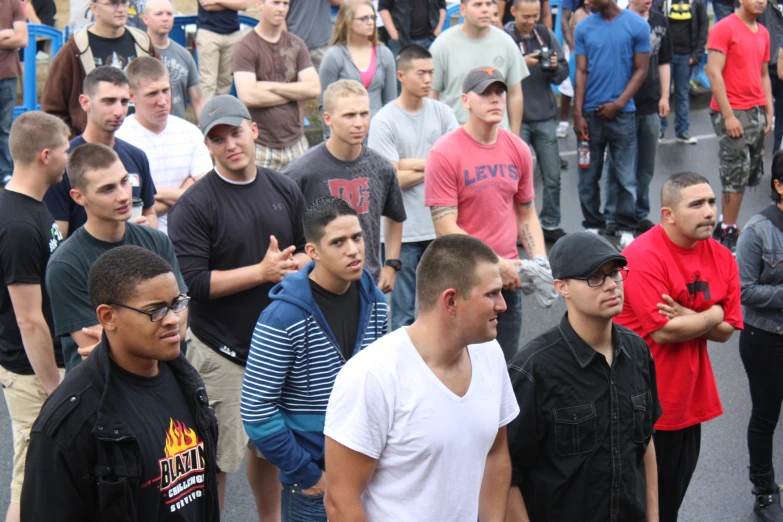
(544, 58)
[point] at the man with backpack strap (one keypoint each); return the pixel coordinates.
(106, 42)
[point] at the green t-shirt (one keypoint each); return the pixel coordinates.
(66, 279)
(455, 55)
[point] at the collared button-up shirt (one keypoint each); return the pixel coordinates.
(578, 444)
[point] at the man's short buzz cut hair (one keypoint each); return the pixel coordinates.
(409, 53)
(450, 262)
(342, 89)
(115, 276)
(671, 192)
(145, 68)
(104, 73)
(86, 158)
(321, 212)
(33, 132)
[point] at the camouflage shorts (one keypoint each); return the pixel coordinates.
(741, 159)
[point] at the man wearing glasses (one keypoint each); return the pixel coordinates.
(106, 42)
(100, 184)
(683, 290)
(129, 435)
(582, 443)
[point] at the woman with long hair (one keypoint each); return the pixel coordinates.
(760, 260)
(355, 53)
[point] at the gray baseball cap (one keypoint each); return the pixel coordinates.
(581, 254)
(222, 110)
(479, 79)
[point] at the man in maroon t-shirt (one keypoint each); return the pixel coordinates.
(682, 290)
(741, 106)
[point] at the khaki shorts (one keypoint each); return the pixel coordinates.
(223, 380)
(24, 396)
(276, 159)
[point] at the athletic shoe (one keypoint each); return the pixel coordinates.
(660, 137)
(626, 238)
(644, 226)
(688, 140)
(593, 230)
(563, 164)
(551, 235)
(728, 238)
(610, 229)
(562, 129)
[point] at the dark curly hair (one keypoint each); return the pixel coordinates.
(117, 273)
(321, 212)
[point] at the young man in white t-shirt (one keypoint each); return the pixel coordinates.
(175, 147)
(416, 423)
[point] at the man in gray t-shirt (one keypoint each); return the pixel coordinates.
(310, 20)
(183, 72)
(344, 168)
(404, 132)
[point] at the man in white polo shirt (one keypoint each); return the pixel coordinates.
(175, 148)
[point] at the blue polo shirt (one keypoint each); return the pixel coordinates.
(64, 208)
(610, 47)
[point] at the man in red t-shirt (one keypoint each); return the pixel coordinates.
(741, 106)
(478, 180)
(682, 290)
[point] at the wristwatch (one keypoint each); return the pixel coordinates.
(396, 264)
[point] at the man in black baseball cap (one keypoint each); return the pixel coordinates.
(236, 233)
(581, 447)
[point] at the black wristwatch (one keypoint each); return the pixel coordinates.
(396, 264)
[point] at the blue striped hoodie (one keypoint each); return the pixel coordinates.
(293, 361)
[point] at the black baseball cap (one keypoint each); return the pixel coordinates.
(479, 79)
(581, 254)
(223, 110)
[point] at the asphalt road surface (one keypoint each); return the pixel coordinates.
(720, 490)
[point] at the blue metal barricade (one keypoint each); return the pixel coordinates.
(30, 92)
(451, 12)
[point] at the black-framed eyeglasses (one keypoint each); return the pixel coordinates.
(365, 19)
(159, 313)
(617, 275)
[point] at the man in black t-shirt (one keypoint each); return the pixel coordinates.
(105, 101)
(319, 317)
(29, 360)
(102, 186)
(412, 21)
(129, 435)
(236, 233)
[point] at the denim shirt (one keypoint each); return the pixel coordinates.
(760, 260)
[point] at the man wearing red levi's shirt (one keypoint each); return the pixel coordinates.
(682, 290)
(741, 107)
(478, 180)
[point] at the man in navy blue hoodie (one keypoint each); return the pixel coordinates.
(319, 317)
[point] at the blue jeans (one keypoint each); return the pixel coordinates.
(542, 137)
(722, 10)
(510, 323)
(647, 126)
(403, 297)
(297, 507)
(619, 136)
(7, 104)
(681, 76)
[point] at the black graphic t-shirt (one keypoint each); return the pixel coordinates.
(369, 183)
(116, 52)
(173, 455)
(28, 236)
(341, 313)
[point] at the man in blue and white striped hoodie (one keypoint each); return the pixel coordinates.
(319, 317)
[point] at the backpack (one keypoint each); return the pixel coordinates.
(82, 41)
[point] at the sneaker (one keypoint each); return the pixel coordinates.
(593, 230)
(729, 236)
(610, 229)
(563, 164)
(644, 226)
(661, 137)
(689, 140)
(562, 129)
(626, 238)
(551, 235)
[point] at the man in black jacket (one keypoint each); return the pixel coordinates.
(772, 19)
(412, 21)
(689, 24)
(129, 434)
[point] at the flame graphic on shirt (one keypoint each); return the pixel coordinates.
(179, 438)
